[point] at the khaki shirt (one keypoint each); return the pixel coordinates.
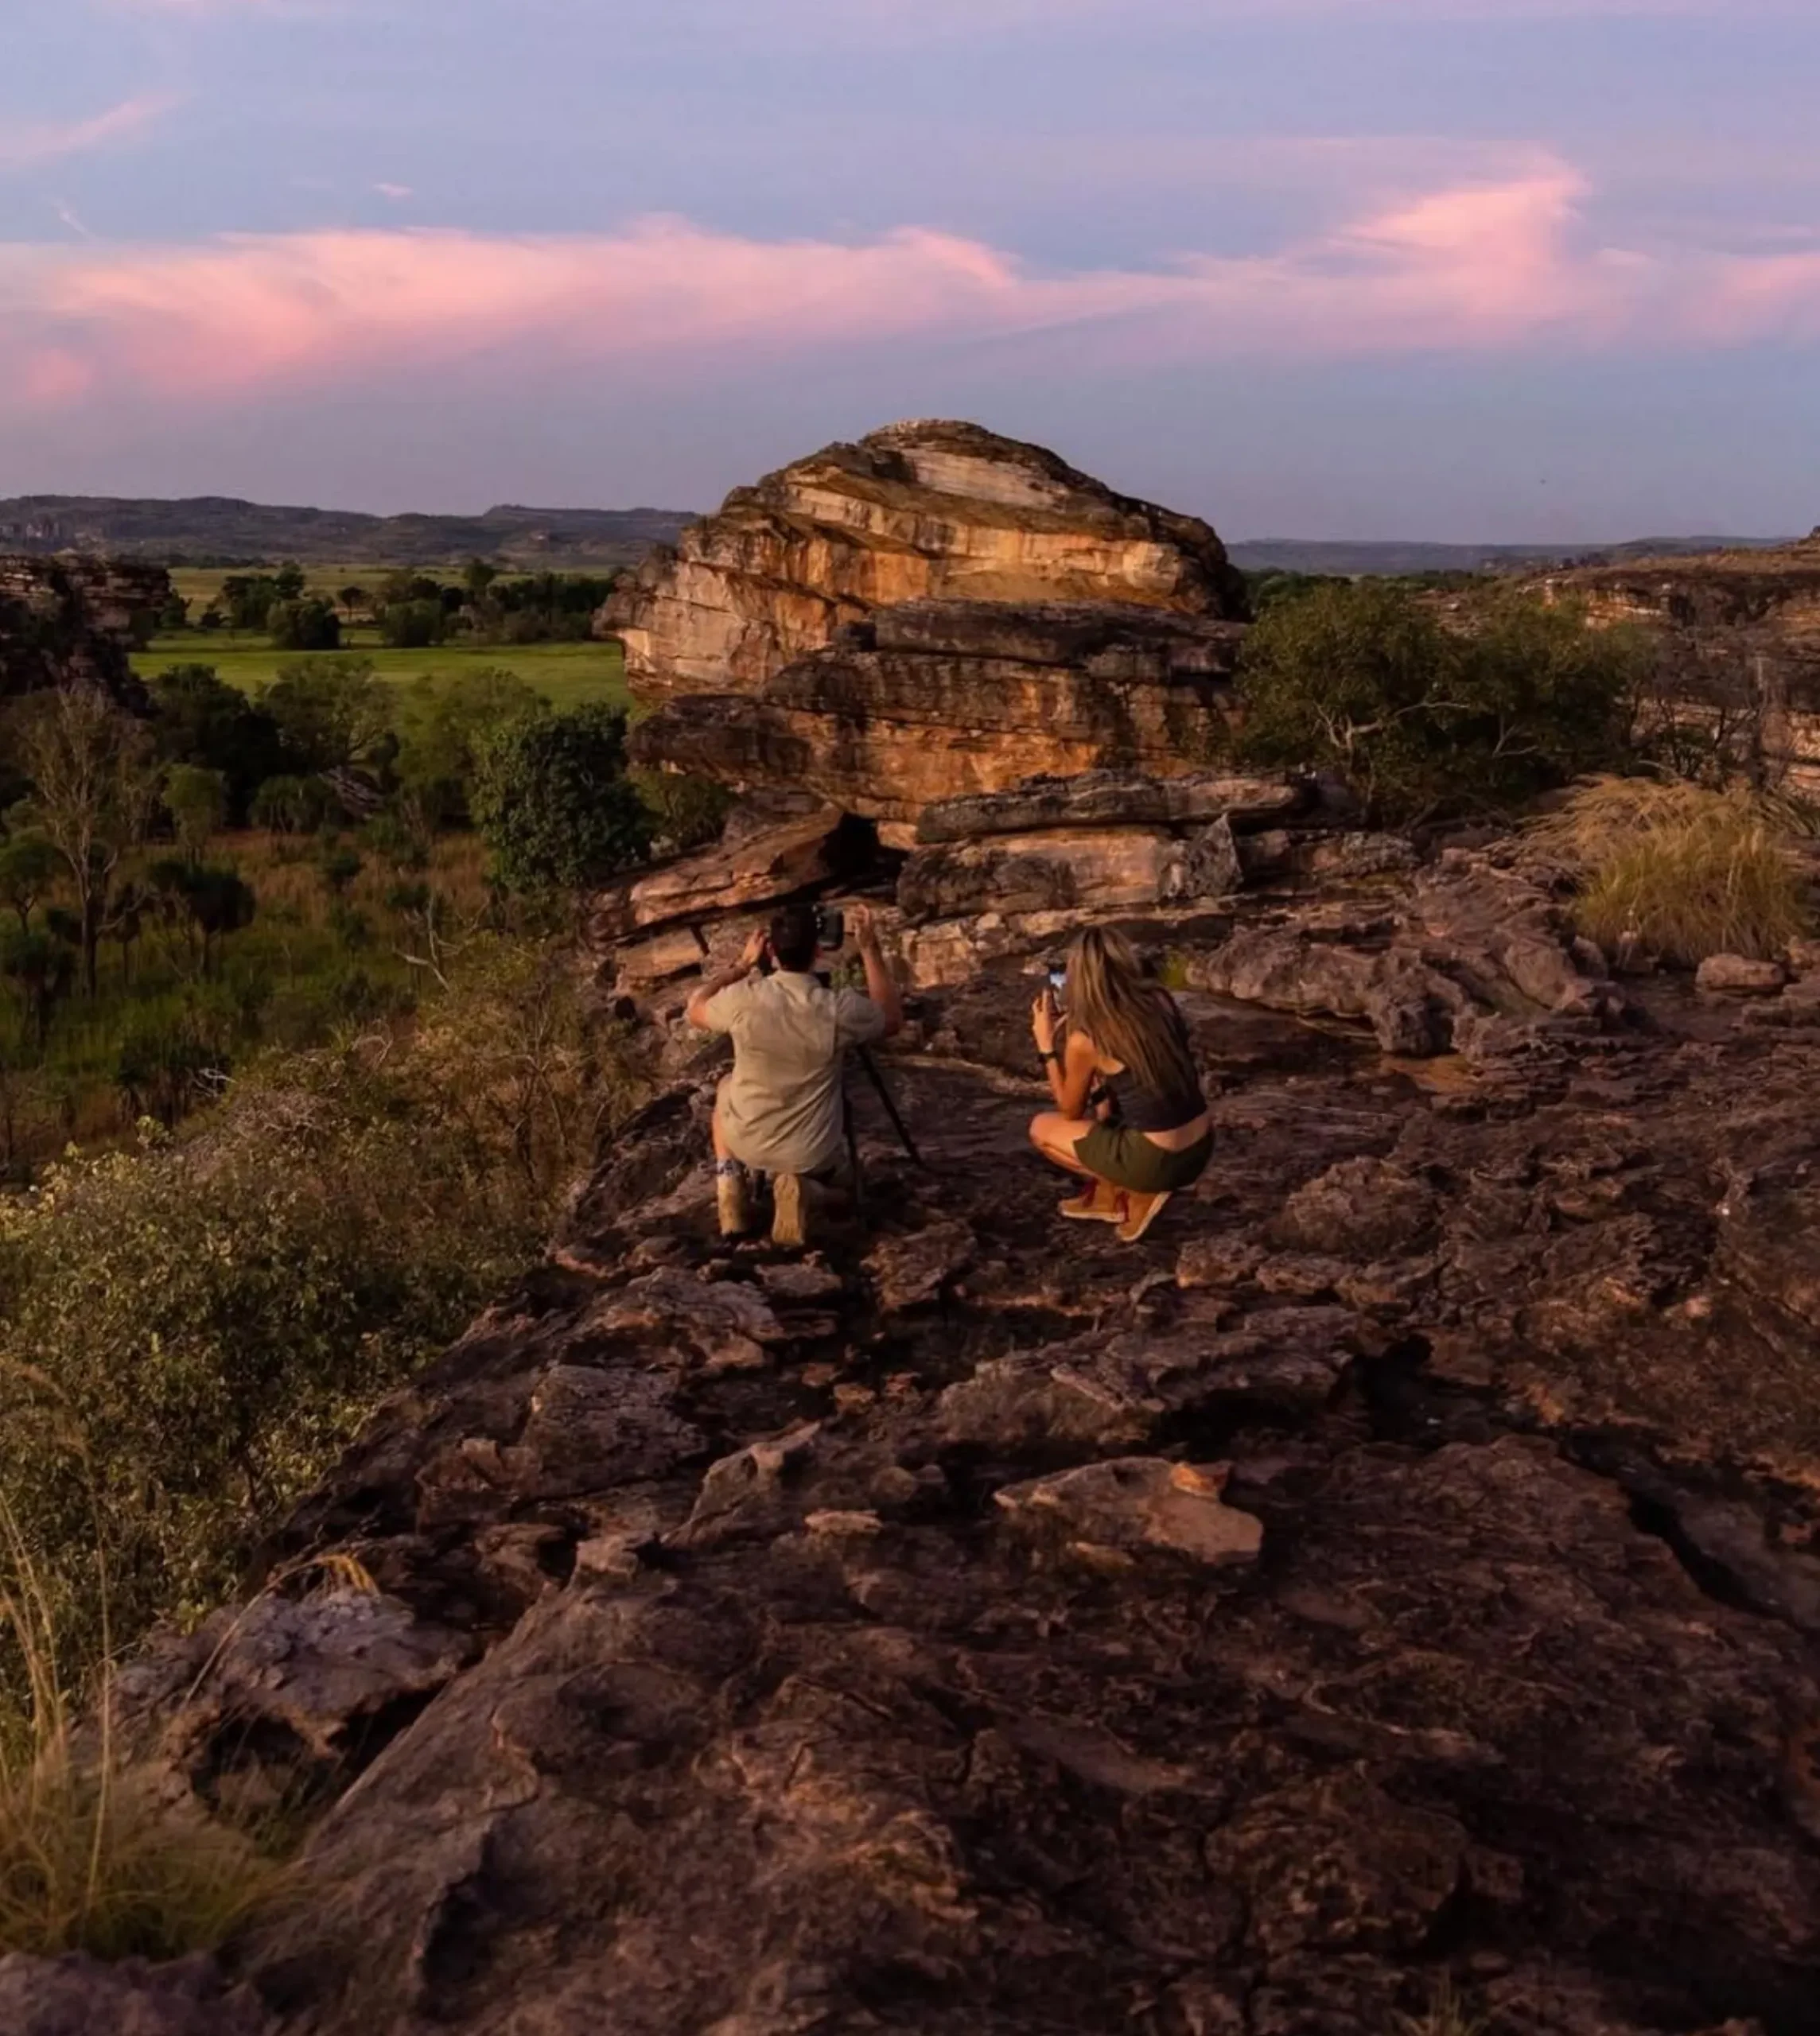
(780, 1108)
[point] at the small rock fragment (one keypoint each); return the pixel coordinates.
(1136, 1505)
(912, 1271)
(1734, 975)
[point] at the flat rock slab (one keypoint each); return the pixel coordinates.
(1110, 799)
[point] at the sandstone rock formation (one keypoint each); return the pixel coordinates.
(68, 620)
(1739, 634)
(1396, 1574)
(919, 510)
(937, 700)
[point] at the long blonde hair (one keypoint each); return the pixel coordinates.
(1128, 1017)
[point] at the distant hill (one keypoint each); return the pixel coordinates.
(1303, 555)
(212, 530)
(218, 530)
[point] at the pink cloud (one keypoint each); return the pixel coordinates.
(35, 141)
(1470, 266)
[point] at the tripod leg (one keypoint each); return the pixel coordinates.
(882, 1088)
(854, 1165)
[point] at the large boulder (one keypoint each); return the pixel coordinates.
(918, 510)
(945, 701)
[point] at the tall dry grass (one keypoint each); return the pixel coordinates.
(1682, 871)
(98, 1853)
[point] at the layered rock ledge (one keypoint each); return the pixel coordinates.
(918, 511)
(1739, 633)
(938, 700)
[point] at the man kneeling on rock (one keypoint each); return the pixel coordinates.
(782, 1111)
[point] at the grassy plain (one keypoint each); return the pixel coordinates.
(567, 674)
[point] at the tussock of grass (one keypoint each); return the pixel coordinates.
(1446, 2016)
(1682, 871)
(99, 1855)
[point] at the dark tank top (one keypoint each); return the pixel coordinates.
(1139, 1109)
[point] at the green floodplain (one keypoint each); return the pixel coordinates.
(567, 674)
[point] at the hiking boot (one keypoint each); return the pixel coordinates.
(789, 1227)
(1102, 1203)
(735, 1208)
(1142, 1211)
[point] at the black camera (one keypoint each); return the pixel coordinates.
(830, 928)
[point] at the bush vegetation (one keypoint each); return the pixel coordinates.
(1427, 720)
(96, 1856)
(1680, 871)
(210, 1315)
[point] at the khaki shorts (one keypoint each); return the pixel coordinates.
(1129, 1159)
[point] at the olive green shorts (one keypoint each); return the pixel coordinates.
(1129, 1159)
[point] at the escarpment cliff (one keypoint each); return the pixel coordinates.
(1392, 1581)
(918, 511)
(1739, 638)
(68, 620)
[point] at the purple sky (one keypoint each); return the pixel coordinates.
(1467, 269)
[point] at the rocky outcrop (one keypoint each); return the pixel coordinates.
(775, 847)
(917, 511)
(1394, 1578)
(70, 620)
(1111, 799)
(1466, 960)
(1740, 639)
(937, 701)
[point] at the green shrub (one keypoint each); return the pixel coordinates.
(552, 799)
(287, 805)
(1682, 871)
(686, 812)
(305, 625)
(1422, 720)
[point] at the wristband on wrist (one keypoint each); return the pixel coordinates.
(1049, 1053)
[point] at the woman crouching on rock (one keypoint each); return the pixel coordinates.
(1130, 1113)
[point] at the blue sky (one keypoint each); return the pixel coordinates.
(1470, 269)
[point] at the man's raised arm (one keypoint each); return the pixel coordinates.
(880, 985)
(749, 960)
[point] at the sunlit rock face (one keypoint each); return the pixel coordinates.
(65, 620)
(915, 512)
(933, 701)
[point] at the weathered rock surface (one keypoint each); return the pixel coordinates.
(1110, 798)
(956, 699)
(1739, 638)
(782, 848)
(1398, 1570)
(1466, 959)
(69, 620)
(1097, 870)
(1737, 975)
(914, 512)
(80, 1997)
